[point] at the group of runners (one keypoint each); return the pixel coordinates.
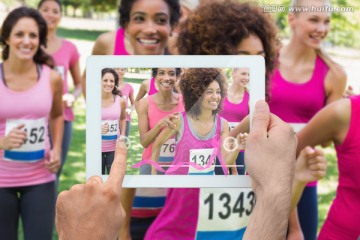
(193, 109)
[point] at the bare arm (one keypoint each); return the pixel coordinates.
(335, 84)
(76, 76)
(161, 139)
(242, 127)
(56, 122)
(330, 124)
(147, 135)
(143, 90)
(122, 117)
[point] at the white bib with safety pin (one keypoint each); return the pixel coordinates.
(201, 157)
(167, 152)
(224, 213)
(113, 130)
(33, 149)
(232, 125)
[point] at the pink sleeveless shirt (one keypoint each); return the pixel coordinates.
(149, 202)
(111, 116)
(178, 219)
(24, 167)
(299, 102)
(342, 221)
(187, 142)
(65, 58)
(235, 112)
(119, 48)
(155, 115)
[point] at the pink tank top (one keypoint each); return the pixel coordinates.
(148, 202)
(119, 48)
(65, 58)
(25, 166)
(155, 116)
(189, 142)
(127, 90)
(152, 89)
(299, 102)
(235, 112)
(111, 116)
(343, 218)
(178, 219)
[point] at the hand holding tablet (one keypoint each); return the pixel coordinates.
(93, 210)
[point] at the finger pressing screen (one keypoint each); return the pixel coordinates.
(118, 167)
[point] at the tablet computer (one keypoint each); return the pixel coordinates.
(138, 68)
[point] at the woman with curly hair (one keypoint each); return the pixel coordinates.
(112, 116)
(230, 28)
(200, 136)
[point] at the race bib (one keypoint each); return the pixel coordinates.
(224, 213)
(33, 148)
(232, 125)
(61, 71)
(167, 152)
(202, 157)
(113, 130)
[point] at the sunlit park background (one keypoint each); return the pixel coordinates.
(84, 20)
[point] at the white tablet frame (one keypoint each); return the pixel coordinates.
(95, 64)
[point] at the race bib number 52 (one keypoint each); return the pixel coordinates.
(33, 148)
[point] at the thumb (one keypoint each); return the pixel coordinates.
(261, 119)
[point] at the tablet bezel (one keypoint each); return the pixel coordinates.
(95, 64)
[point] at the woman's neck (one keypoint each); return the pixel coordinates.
(236, 90)
(18, 66)
(296, 52)
(106, 95)
(52, 35)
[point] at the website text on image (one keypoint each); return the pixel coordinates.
(274, 8)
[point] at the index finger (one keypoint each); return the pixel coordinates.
(118, 167)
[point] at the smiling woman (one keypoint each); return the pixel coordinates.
(30, 102)
(305, 81)
(66, 59)
(113, 116)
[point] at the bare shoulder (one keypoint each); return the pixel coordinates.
(338, 74)
(104, 44)
(341, 110)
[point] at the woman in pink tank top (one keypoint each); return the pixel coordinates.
(339, 122)
(154, 113)
(128, 93)
(30, 100)
(200, 135)
(305, 81)
(66, 57)
(134, 37)
(236, 108)
(113, 116)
